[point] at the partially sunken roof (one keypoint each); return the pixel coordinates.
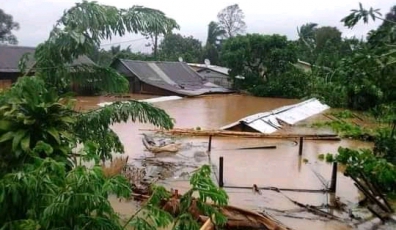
(269, 122)
(177, 77)
(11, 55)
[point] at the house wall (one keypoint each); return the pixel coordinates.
(216, 78)
(153, 90)
(134, 82)
(6, 79)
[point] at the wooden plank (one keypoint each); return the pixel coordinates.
(193, 132)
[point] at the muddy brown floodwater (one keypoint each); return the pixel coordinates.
(280, 167)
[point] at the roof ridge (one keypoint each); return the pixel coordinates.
(18, 47)
(123, 59)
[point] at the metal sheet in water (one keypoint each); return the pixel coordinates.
(291, 114)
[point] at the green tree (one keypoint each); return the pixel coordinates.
(231, 20)
(306, 41)
(212, 47)
(257, 57)
(153, 34)
(215, 32)
(174, 46)
(7, 25)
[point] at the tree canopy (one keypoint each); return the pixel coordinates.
(258, 57)
(174, 46)
(7, 25)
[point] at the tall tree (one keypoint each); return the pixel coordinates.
(212, 46)
(214, 33)
(174, 46)
(153, 34)
(7, 25)
(306, 41)
(231, 20)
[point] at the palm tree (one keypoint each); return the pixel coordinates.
(214, 32)
(363, 14)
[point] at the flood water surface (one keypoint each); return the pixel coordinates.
(281, 167)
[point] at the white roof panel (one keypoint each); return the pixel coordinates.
(267, 122)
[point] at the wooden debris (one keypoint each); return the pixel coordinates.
(223, 133)
(258, 147)
(237, 218)
(152, 147)
(377, 203)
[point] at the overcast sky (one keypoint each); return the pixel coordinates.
(36, 17)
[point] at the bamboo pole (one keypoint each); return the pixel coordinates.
(192, 132)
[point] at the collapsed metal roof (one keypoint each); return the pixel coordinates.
(176, 77)
(269, 122)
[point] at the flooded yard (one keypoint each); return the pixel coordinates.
(281, 167)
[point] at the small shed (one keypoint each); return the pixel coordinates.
(164, 78)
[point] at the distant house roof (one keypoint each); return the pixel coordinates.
(11, 55)
(215, 68)
(219, 69)
(177, 77)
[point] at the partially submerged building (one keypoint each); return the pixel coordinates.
(165, 78)
(10, 57)
(269, 122)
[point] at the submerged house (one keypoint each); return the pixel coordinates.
(10, 57)
(164, 78)
(213, 73)
(269, 122)
(9, 62)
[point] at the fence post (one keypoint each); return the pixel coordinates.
(300, 146)
(210, 143)
(221, 167)
(333, 185)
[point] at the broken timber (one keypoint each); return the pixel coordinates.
(224, 133)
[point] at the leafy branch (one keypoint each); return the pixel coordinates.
(363, 14)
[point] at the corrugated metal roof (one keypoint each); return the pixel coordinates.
(216, 68)
(268, 122)
(177, 77)
(219, 69)
(11, 55)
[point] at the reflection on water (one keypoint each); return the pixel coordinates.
(281, 167)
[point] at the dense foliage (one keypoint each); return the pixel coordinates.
(41, 183)
(261, 60)
(174, 46)
(363, 163)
